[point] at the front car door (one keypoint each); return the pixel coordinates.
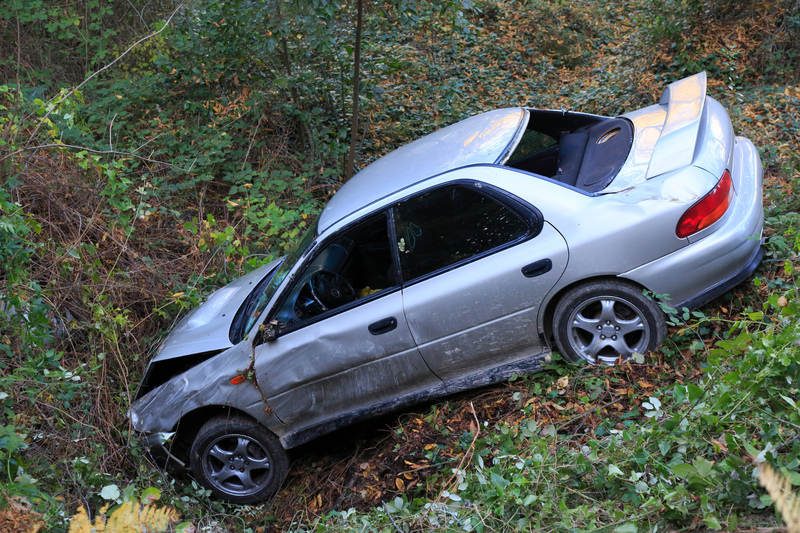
(344, 347)
(476, 263)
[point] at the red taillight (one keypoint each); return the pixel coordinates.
(708, 210)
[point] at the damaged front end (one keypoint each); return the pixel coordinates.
(198, 370)
(168, 417)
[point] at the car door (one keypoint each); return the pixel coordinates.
(344, 346)
(476, 264)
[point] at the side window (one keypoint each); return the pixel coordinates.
(451, 224)
(354, 265)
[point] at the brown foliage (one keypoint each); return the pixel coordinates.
(17, 517)
(101, 283)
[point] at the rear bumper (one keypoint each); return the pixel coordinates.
(709, 267)
(725, 285)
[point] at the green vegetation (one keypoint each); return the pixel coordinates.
(131, 192)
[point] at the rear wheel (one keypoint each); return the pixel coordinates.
(606, 322)
(238, 459)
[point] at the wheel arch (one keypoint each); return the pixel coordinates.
(550, 307)
(188, 426)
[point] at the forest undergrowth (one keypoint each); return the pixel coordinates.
(132, 190)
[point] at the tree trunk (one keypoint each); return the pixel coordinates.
(356, 73)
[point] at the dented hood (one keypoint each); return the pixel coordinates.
(207, 327)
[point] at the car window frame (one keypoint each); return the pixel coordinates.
(309, 258)
(528, 213)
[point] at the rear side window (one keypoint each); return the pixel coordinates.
(532, 142)
(449, 225)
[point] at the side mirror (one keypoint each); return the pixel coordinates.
(268, 332)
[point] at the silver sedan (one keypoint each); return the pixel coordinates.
(454, 262)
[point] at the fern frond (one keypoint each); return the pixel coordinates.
(779, 489)
(130, 517)
(80, 523)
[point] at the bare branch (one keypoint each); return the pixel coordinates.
(101, 152)
(61, 98)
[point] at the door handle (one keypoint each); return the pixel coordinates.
(537, 269)
(383, 326)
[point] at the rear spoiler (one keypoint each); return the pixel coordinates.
(685, 100)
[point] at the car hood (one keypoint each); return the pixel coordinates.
(207, 327)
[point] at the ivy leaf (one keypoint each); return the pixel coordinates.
(185, 527)
(712, 522)
(150, 495)
(110, 492)
(498, 481)
(613, 470)
(683, 470)
(703, 466)
(695, 392)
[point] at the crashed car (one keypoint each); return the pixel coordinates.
(454, 262)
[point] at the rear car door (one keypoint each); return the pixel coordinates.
(476, 263)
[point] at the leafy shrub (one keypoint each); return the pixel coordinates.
(54, 42)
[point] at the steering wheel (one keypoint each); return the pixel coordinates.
(330, 290)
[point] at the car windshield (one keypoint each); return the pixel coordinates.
(299, 251)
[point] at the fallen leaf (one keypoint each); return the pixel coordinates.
(722, 445)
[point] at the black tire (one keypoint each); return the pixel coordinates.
(605, 321)
(238, 459)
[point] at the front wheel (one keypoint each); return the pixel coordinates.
(238, 459)
(606, 322)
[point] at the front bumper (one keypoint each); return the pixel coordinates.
(159, 447)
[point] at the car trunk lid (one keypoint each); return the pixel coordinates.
(674, 134)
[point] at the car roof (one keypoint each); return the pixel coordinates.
(485, 138)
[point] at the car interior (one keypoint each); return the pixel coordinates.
(581, 151)
(354, 265)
